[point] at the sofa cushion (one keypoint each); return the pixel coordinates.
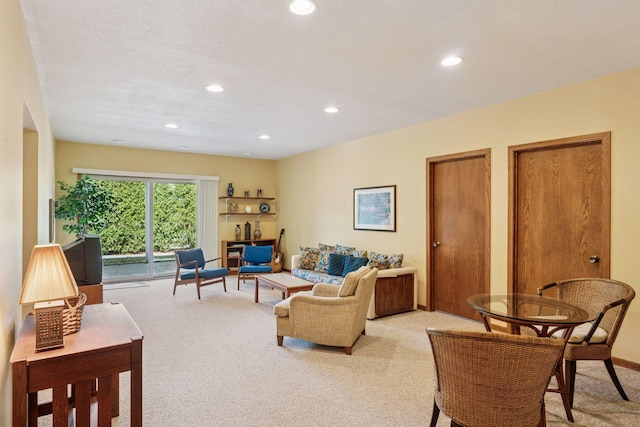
(379, 261)
(395, 260)
(336, 264)
(325, 247)
(358, 253)
(353, 263)
(323, 259)
(351, 280)
(344, 250)
(316, 276)
(383, 262)
(309, 258)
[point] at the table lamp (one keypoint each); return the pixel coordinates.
(47, 282)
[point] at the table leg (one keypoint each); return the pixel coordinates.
(82, 402)
(33, 409)
(115, 395)
(562, 389)
(105, 396)
(136, 383)
(485, 320)
(20, 394)
(60, 406)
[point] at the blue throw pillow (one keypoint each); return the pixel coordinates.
(336, 264)
(352, 263)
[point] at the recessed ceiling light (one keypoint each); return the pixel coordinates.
(215, 88)
(302, 7)
(451, 60)
(118, 141)
(331, 110)
(248, 154)
(171, 126)
(264, 136)
(184, 147)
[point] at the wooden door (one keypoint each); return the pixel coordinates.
(458, 236)
(559, 211)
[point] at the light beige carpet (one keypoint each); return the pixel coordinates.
(215, 362)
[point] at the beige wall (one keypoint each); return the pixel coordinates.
(315, 189)
(20, 89)
(243, 173)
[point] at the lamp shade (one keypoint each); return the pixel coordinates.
(48, 276)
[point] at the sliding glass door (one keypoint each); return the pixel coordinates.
(174, 223)
(151, 219)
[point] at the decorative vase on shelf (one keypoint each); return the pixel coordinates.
(257, 234)
(230, 190)
(259, 191)
(238, 232)
(247, 231)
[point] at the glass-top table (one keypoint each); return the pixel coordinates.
(547, 317)
(544, 315)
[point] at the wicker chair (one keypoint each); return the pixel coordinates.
(491, 379)
(608, 300)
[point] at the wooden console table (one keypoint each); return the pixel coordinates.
(108, 342)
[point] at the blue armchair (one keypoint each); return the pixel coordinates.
(255, 260)
(190, 269)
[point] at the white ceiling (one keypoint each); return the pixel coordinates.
(119, 70)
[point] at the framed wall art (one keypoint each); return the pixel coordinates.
(374, 208)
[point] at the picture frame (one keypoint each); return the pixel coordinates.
(374, 208)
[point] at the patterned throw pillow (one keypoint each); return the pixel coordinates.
(336, 264)
(323, 260)
(353, 263)
(359, 253)
(308, 258)
(395, 260)
(379, 261)
(344, 250)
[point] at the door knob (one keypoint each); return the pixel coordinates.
(593, 259)
(435, 244)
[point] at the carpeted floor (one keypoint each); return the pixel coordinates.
(215, 362)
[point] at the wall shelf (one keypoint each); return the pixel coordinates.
(245, 198)
(246, 214)
(253, 202)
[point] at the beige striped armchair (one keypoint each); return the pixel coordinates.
(329, 314)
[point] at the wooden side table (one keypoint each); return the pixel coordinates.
(108, 342)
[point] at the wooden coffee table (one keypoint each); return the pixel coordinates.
(285, 282)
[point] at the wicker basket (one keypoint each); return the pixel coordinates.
(72, 313)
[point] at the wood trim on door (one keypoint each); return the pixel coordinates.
(430, 163)
(604, 139)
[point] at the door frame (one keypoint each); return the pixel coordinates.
(430, 164)
(602, 138)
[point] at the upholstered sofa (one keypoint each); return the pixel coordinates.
(396, 289)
